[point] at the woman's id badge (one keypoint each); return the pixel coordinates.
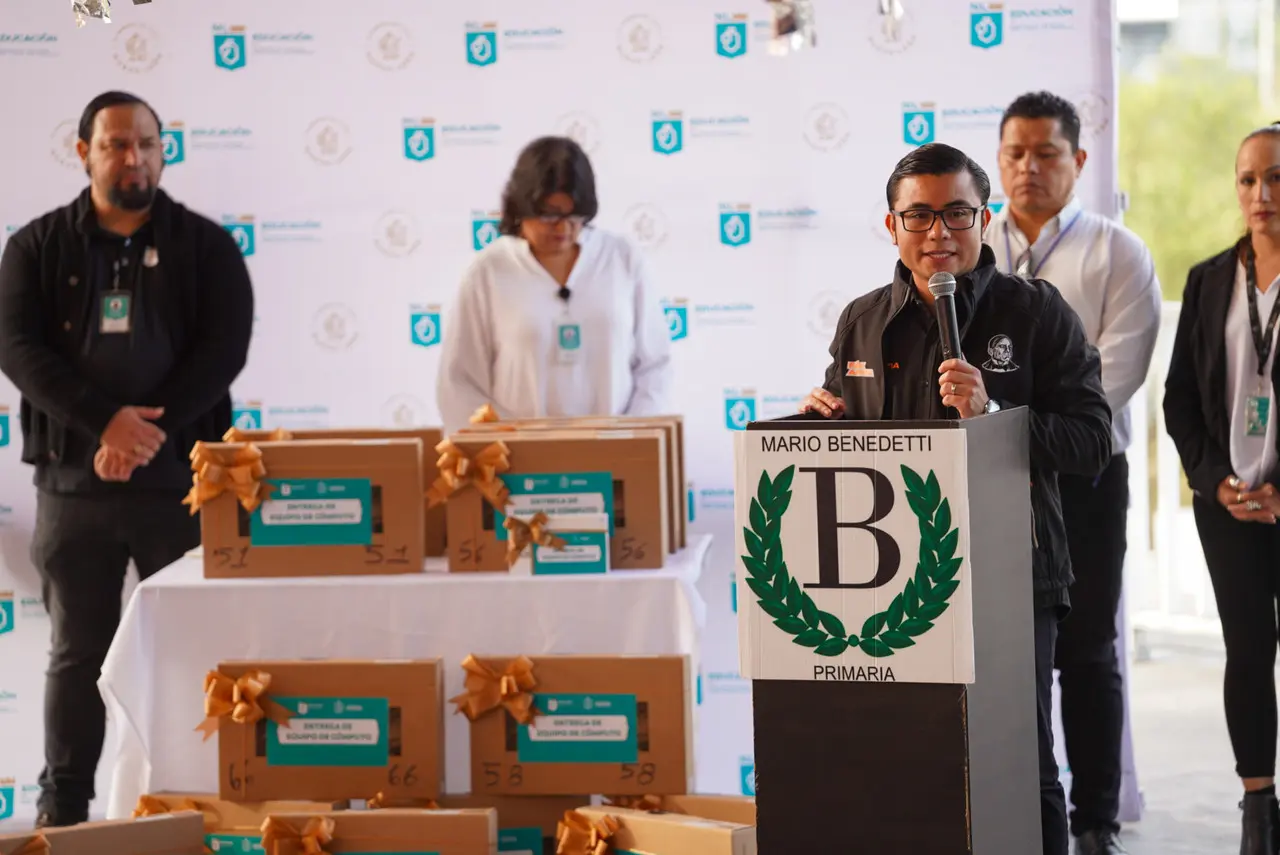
(115, 312)
(568, 342)
(1257, 415)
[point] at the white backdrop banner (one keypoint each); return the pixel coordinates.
(357, 153)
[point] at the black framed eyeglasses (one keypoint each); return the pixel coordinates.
(956, 219)
(555, 219)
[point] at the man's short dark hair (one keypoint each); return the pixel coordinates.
(548, 165)
(105, 100)
(937, 159)
(1046, 105)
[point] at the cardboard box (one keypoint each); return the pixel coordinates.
(580, 547)
(674, 427)
(637, 718)
(371, 488)
(674, 834)
(168, 834)
(440, 832)
(544, 464)
(375, 727)
(740, 810)
(233, 827)
(433, 525)
(525, 823)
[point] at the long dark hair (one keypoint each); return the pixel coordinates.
(548, 165)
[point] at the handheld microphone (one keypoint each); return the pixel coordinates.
(943, 288)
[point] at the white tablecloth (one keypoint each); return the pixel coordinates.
(179, 625)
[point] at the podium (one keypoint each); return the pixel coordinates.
(884, 578)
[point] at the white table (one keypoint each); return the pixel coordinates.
(179, 625)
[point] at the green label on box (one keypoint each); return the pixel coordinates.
(330, 732)
(580, 729)
(583, 552)
(235, 844)
(520, 841)
(558, 494)
(314, 512)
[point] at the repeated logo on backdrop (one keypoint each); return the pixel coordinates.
(334, 326)
(397, 234)
(424, 325)
(925, 121)
(640, 39)
(735, 224)
(247, 415)
(8, 614)
(580, 127)
(404, 411)
(62, 144)
(676, 311)
(990, 24)
(328, 141)
(244, 231)
(826, 127)
(389, 46)
(739, 408)
(173, 143)
(6, 435)
(892, 30)
(646, 224)
(419, 139)
(486, 43)
(136, 48)
(7, 794)
(484, 228)
(232, 44)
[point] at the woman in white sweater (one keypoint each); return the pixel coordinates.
(555, 317)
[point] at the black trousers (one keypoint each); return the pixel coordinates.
(1053, 802)
(1244, 566)
(1096, 514)
(82, 546)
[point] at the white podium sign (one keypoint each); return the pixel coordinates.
(852, 553)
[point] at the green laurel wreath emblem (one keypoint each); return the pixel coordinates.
(909, 616)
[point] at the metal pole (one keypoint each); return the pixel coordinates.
(1267, 56)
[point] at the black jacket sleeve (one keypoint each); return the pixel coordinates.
(219, 348)
(1205, 461)
(42, 375)
(1070, 418)
(833, 382)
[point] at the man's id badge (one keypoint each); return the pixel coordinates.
(115, 312)
(568, 343)
(1257, 415)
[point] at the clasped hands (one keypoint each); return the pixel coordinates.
(129, 441)
(960, 386)
(1249, 505)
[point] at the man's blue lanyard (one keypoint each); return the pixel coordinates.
(1008, 248)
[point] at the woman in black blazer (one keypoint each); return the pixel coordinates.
(1219, 407)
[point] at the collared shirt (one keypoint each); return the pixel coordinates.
(1252, 457)
(500, 346)
(1105, 273)
(912, 353)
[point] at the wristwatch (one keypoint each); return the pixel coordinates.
(993, 406)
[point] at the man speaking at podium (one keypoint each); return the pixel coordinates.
(1021, 345)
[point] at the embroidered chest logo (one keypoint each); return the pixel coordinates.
(859, 369)
(1000, 355)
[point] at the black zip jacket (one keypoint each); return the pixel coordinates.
(45, 312)
(1033, 352)
(1195, 390)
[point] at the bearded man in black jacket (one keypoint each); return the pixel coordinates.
(124, 319)
(1028, 348)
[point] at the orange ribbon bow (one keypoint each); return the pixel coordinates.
(484, 414)
(458, 471)
(234, 434)
(648, 804)
(38, 844)
(380, 801)
(577, 835)
(487, 689)
(216, 471)
(532, 532)
(311, 840)
(241, 699)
